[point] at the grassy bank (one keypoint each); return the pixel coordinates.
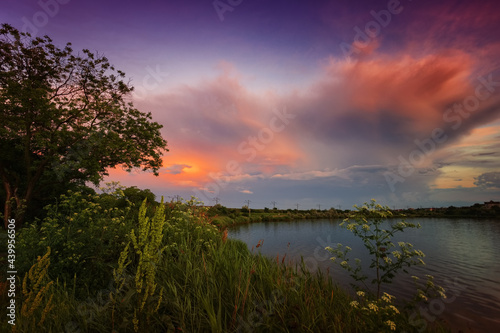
(91, 266)
(225, 217)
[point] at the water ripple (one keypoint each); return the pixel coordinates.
(460, 253)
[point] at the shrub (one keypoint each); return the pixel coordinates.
(85, 236)
(387, 259)
(222, 221)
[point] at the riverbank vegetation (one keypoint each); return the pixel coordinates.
(118, 263)
(224, 217)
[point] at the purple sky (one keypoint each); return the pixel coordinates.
(317, 103)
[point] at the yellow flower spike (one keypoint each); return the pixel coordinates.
(47, 309)
(146, 243)
(35, 290)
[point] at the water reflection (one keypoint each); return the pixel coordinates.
(460, 253)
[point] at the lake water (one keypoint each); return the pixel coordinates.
(462, 255)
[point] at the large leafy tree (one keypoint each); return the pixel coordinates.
(65, 117)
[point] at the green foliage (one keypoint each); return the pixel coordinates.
(137, 196)
(222, 221)
(378, 315)
(86, 235)
(193, 280)
(189, 228)
(217, 210)
(66, 115)
(224, 217)
(147, 248)
(387, 258)
(427, 290)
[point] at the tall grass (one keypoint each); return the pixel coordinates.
(209, 284)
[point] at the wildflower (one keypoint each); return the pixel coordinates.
(354, 304)
(391, 324)
(396, 254)
(387, 296)
(366, 227)
(343, 263)
(348, 248)
(422, 296)
(393, 308)
(360, 293)
(373, 307)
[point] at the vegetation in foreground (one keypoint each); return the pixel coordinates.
(120, 262)
(115, 263)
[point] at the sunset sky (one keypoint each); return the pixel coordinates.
(327, 103)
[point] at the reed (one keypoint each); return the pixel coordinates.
(200, 281)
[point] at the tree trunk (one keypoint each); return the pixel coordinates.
(11, 212)
(7, 205)
(10, 192)
(21, 201)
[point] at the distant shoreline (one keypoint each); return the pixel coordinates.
(224, 217)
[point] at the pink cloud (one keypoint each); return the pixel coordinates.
(217, 121)
(374, 108)
(365, 112)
